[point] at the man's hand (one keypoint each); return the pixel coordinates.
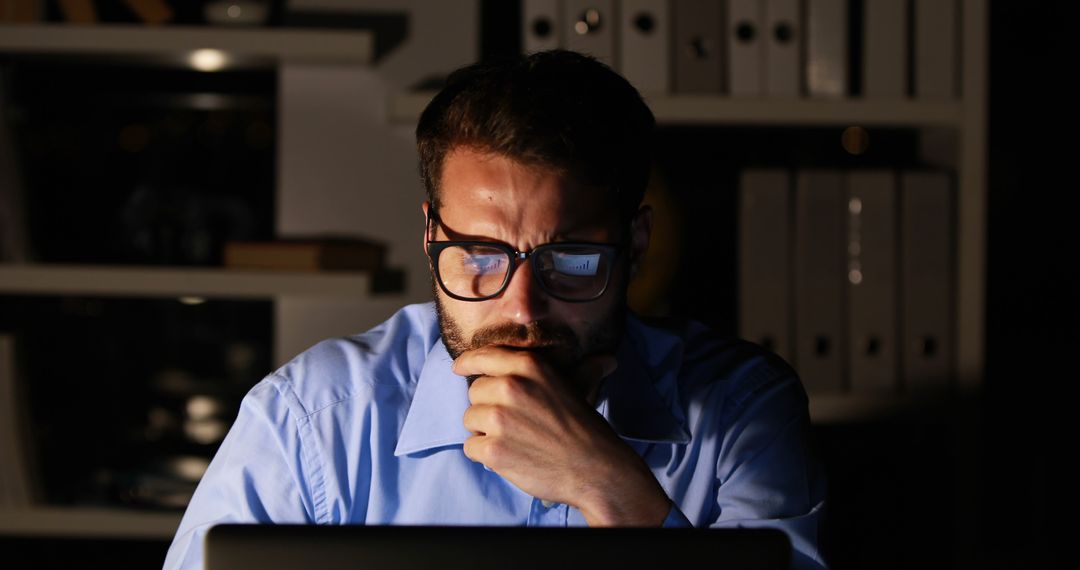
(532, 424)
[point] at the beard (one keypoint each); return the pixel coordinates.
(560, 343)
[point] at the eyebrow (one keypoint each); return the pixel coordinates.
(562, 235)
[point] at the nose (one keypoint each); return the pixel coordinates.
(523, 301)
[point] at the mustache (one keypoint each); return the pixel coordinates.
(540, 334)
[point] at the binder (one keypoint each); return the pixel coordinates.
(782, 37)
(765, 259)
(819, 280)
(926, 280)
(826, 48)
(885, 49)
(540, 25)
(745, 47)
(697, 49)
(644, 40)
(872, 281)
(589, 27)
(936, 47)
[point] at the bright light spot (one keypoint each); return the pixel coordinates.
(192, 300)
(208, 60)
(190, 468)
(855, 276)
(234, 11)
(581, 27)
(205, 431)
(854, 205)
(203, 407)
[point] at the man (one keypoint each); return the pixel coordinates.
(527, 393)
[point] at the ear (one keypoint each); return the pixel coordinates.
(640, 234)
(426, 206)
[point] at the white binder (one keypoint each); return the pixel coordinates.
(765, 259)
(782, 36)
(746, 36)
(926, 280)
(826, 48)
(540, 25)
(644, 41)
(872, 281)
(820, 352)
(885, 49)
(697, 47)
(936, 49)
(589, 27)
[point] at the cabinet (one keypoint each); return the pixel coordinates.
(339, 298)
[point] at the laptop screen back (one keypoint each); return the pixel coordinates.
(270, 547)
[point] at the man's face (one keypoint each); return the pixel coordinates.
(488, 197)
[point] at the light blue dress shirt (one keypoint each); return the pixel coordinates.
(368, 429)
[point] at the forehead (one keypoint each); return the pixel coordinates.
(489, 194)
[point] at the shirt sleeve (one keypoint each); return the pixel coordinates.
(257, 475)
(767, 473)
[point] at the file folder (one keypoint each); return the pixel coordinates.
(746, 37)
(698, 47)
(820, 352)
(589, 27)
(885, 49)
(765, 259)
(936, 49)
(927, 280)
(782, 36)
(826, 48)
(540, 25)
(872, 282)
(644, 43)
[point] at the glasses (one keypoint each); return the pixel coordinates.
(480, 270)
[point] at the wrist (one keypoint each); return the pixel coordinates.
(636, 500)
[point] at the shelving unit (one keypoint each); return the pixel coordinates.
(172, 47)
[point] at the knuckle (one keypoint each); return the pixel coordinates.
(497, 419)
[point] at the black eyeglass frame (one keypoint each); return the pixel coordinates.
(435, 248)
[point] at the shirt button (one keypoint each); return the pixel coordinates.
(547, 504)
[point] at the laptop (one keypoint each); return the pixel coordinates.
(274, 547)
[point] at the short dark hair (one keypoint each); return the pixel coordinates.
(553, 109)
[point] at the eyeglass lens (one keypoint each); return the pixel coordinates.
(570, 272)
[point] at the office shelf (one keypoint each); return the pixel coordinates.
(723, 110)
(177, 281)
(174, 44)
(87, 522)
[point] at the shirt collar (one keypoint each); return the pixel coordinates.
(638, 400)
